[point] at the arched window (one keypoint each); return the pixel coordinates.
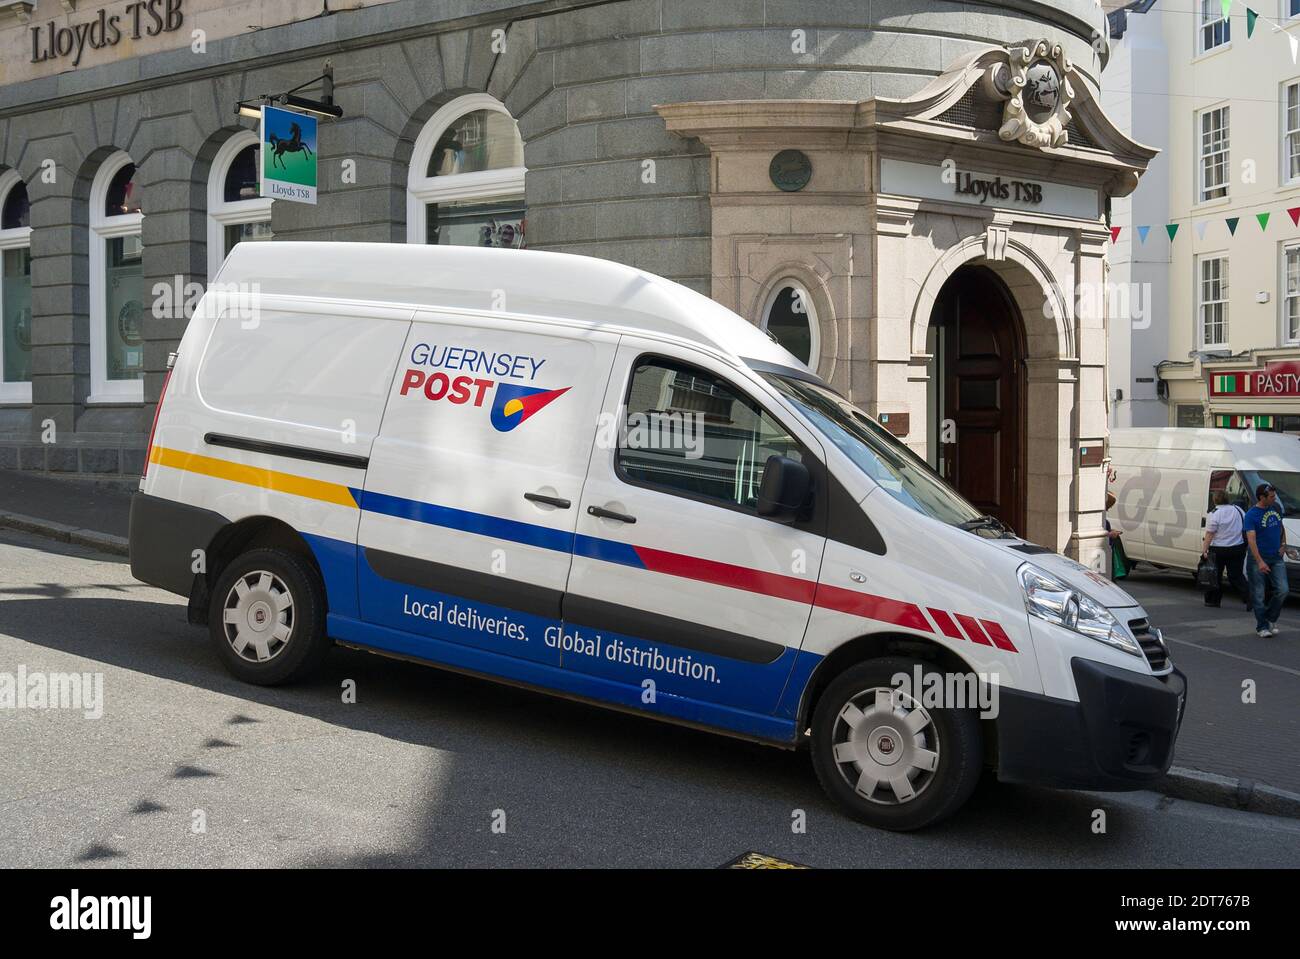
(15, 291)
(117, 300)
(466, 182)
(789, 315)
(236, 211)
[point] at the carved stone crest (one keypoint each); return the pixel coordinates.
(1035, 82)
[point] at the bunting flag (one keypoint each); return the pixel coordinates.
(1227, 7)
(1295, 45)
(1251, 17)
(1231, 222)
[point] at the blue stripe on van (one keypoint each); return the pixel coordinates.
(608, 550)
(466, 521)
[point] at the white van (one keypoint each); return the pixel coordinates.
(1165, 477)
(564, 473)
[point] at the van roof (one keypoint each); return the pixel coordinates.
(526, 283)
(1255, 450)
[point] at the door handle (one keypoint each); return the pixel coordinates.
(610, 514)
(557, 501)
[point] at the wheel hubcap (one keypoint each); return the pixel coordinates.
(886, 746)
(258, 616)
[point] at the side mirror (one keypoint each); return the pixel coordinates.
(785, 489)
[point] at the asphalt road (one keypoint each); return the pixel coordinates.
(417, 771)
(1243, 692)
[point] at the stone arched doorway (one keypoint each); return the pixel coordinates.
(976, 341)
(1022, 290)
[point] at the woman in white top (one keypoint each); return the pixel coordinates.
(1223, 545)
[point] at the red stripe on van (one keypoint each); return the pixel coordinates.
(973, 630)
(879, 608)
(945, 623)
(725, 574)
(999, 635)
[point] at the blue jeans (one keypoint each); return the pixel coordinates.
(1276, 576)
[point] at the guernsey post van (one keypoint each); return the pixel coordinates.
(1164, 478)
(567, 474)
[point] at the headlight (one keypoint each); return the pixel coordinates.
(1048, 598)
(1291, 553)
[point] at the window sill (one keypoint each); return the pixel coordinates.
(1217, 202)
(1212, 52)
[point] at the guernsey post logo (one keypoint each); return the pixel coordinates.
(514, 404)
(464, 376)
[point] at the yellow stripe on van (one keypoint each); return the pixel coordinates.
(335, 493)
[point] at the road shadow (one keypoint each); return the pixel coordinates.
(574, 783)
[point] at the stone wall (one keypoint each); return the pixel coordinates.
(582, 79)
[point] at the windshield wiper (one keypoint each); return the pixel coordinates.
(984, 522)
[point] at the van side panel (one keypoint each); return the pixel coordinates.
(272, 415)
(1161, 498)
(465, 533)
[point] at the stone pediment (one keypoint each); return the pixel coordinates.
(1027, 96)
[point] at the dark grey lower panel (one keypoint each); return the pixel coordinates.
(163, 537)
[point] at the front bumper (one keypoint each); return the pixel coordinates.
(1119, 735)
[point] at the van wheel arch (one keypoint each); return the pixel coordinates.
(234, 539)
(876, 646)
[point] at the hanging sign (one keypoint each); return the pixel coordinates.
(289, 164)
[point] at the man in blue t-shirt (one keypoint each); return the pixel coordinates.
(1265, 537)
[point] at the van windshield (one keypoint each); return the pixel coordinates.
(1286, 484)
(895, 468)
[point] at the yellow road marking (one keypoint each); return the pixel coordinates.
(757, 860)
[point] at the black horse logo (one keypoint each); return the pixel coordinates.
(292, 145)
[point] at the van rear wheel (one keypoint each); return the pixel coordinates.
(267, 619)
(888, 759)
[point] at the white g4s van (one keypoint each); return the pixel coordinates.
(1165, 478)
(567, 474)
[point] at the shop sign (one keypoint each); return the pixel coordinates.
(948, 183)
(140, 18)
(1276, 379)
(288, 155)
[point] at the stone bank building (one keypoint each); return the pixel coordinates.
(910, 195)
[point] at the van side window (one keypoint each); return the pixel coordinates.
(1230, 482)
(690, 433)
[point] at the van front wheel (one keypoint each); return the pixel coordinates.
(889, 759)
(267, 619)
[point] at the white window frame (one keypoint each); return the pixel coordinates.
(421, 190)
(223, 213)
(1284, 162)
(17, 238)
(1202, 303)
(1284, 10)
(815, 342)
(1285, 336)
(1202, 156)
(1203, 21)
(104, 228)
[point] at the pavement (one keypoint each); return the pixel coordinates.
(426, 740)
(88, 512)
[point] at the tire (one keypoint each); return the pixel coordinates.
(940, 759)
(269, 641)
